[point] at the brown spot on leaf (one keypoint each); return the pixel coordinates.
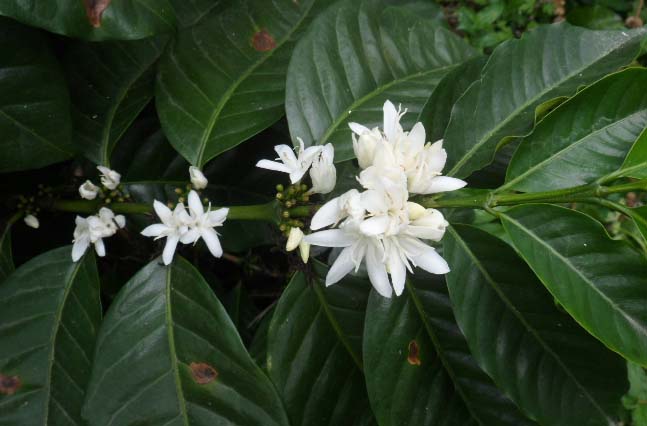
(203, 373)
(263, 41)
(94, 9)
(414, 353)
(9, 384)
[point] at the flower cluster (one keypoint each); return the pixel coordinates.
(187, 225)
(110, 179)
(93, 229)
(380, 225)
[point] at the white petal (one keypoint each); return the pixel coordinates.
(287, 156)
(294, 239)
(154, 230)
(330, 238)
(163, 212)
(375, 225)
(198, 179)
(358, 128)
(217, 217)
(100, 248)
(444, 184)
(417, 137)
(195, 204)
(391, 120)
(377, 272)
(374, 201)
(328, 214)
(432, 262)
(190, 237)
(296, 175)
(79, 248)
(341, 267)
(304, 251)
(120, 220)
(273, 165)
(169, 249)
(398, 271)
(210, 237)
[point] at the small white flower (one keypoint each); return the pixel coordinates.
(32, 221)
(88, 190)
(337, 209)
(295, 239)
(323, 172)
(202, 224)
(296, 165)
(109, 178)
(173, 227)
(366, 144)
(93, 229)
(198, 179)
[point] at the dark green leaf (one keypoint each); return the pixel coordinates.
(548, 365)
(639, 216)
(635, 399)
(358, 54)
(6, 256)
(92, 20)
(110, 84)
(585, 138)
(168, 353)
(520, 75)
(314, 351)
(599, 281)
(595, 17)
(241, 310)
(413, 344)
(50, 312)
(35, 107)
(189, 12)
(635, 164)
(223, 80)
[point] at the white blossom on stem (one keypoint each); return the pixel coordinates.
(296, 165)
(198, 179)
(32, 221)
(88, 191)
(109, 178)
(93, 229)
(202, 224)
(175, 224)
(323, 173)
(295, 239)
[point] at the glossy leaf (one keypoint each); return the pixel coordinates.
(549, 62)
(314, 352)
(548, 365)
(637, 395)
(189, 12)
(586, 138)
(223, 80)
(6, 256)
(358, 54)
(595, 17)
(635, 164)
(599, 281)
(121, 19)
(168, 353)
(50, 312)
(35, 108)
(639, 216)
(419, 370)
(110, 84)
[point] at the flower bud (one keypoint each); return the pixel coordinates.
(365, 142)
(88, 190)
(198, 180)
(323, 172)
(109, 178)
(294, 239)
(304, 251)
(32, 221)
(416, 211)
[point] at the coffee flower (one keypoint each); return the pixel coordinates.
(187, 226)
(198, 179)
(88, 191)
(32, 221)
(295, 239)
(109, 178)
(323, 172)
(296, 165)
(93, 229)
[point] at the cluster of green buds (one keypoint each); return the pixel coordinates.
(182, 196)
(117, 195)
(288, 198)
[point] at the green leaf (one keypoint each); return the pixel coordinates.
(548, 365)
(241, 310)
(314, 351)
(637, 395)
(168, 353)
(639, 216)
(35, 108)
(635, 164)
(599, 281)
(595, 17)
(6, 256)
(121, 19)
(585, 138)
(50, 312)
(546, 63)
(223, 80)
(358, 54)
(419, 370)
(110, 84)
(437, 110)
(189, 12)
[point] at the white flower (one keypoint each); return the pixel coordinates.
(173, 227)
(295, 165)
(365, 146)
(88, 190)
(198, 180)
(202, 224)
(337, 209)
(295, 239)
(32, 221)
(109, 178)
(323, 172)
(424, 171)
(93, 229)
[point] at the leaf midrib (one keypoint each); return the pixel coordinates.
(236, 83)
(523, 321)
